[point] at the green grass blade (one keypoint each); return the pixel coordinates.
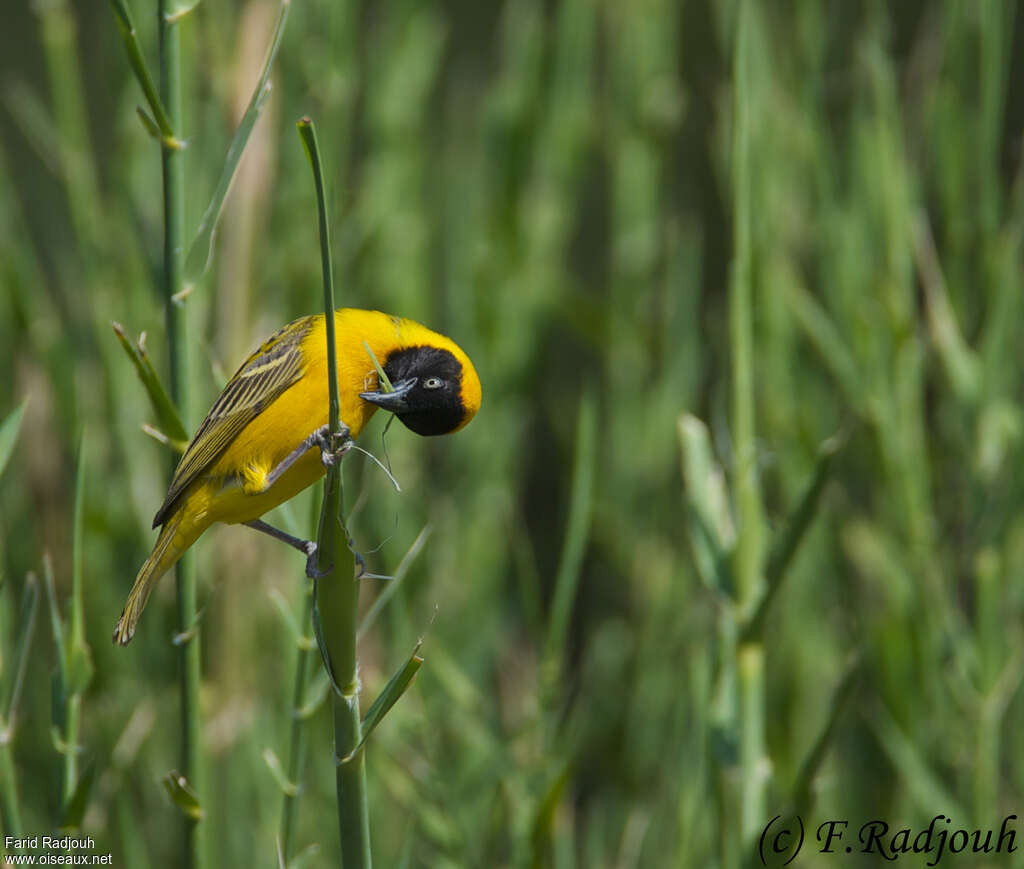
(126, 27)
(288, 787)
(789, 541)
(57, 627)
(923, 785)
(36, 123)
(963, 368)
(382, 377)
(314, 695)
(78, 801)
(395, 582)
(823, 333)
(711, 530)
(9, 433)
(80, 667)
(542, 830)
(288, 619)
(26, 628)
(387, 698)
(166, 413)
(182, 795)
(837, 708)
(201, 250)
(577, 527)
(10, 800)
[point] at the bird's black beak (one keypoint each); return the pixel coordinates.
(394, 401)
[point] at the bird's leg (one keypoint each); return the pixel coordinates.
(306, 547)
(328, 455)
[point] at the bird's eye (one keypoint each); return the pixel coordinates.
(433, 383)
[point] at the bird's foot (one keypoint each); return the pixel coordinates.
(313, 570)
(332, 447)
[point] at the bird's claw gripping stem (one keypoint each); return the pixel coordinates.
(332, 447)
(313, 570)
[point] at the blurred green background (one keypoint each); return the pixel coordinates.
(788, 222)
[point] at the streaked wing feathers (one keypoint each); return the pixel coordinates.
(268, 372)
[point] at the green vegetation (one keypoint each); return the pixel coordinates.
(738, 530)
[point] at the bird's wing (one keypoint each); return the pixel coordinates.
(268, 372)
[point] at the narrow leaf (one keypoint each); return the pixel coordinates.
(837, 709)
(56, 623)
(26, 627)
(382, 378)
(315, 695)
(36, 124)
(542, 835)
(166, 413)
(74, 808)
(963, 368)
(789, 541)
(387, 698)
(291, 623)
(157, 435)
(182, 795)
(830, 344)
(304, 857)
(79, 666)
(148, 123)
(126, 27)
(9, 433)
(200, 252)
(577, 529)
(288, 787)
(396, 580)
(180, 10)
(918, 779)
(711, 530)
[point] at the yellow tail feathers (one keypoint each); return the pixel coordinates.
(170, 545)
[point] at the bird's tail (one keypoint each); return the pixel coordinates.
(175, 537)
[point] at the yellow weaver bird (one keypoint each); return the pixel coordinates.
(266, 438)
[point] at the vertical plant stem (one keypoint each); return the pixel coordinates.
(749, 544)
(350, 779)
(60, 40)
(78, 664)
(577, 530)
(10, 800)
(991, 655)
(337, 591)
(174, 264)
(297, 742)
(72, 720)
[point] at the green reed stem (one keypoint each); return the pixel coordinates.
(169, 27)
(337, 591)
(10, 800)
(297, 741)
(78, 667)
(748, 555)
